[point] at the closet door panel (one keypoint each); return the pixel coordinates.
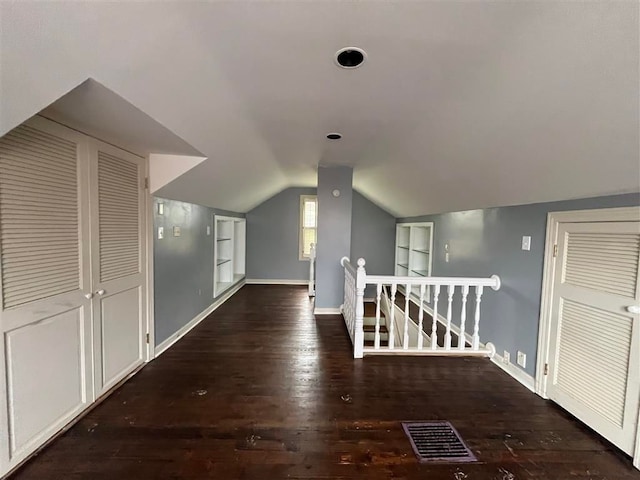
(120, 339)
(45, 315)
(119, 254)
(43, 403)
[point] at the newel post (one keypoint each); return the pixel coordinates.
(361, 283)
(312, 273)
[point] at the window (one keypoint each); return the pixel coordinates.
(308, 224)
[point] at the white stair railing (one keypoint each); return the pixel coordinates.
(353, 305)
(312, 270)
(409, 334)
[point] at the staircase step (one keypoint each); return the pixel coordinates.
(372, 343)
(370, 310)
(372, 329)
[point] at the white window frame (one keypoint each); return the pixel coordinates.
(303, 199)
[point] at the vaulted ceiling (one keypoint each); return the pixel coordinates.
(459, 105)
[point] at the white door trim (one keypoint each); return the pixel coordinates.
(554, 219)
(149, 219)
(636, 455)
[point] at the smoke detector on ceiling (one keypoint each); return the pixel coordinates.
(350, 57)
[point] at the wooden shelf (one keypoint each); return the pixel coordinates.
(414, 242)
(229, 252)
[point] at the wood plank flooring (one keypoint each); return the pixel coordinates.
(263, 390)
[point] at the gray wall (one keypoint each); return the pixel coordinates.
(273, 238)
(183, 266)
(373, 237)
(484, 242)
(334, 233)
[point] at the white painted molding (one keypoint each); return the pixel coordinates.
(327, 311)
(516, 372)
(149, 269)
(275, 281)
(636, 456)
(164, 346)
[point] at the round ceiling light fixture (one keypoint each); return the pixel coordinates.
(350, 57)
(334, 136)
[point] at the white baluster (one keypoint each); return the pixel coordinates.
(405, 336)
(476, 324)
(358, 336)
(434, 326)
(392, 316)
(447, 336)
(463, 318)
(420, 317)
(346, 290)
(352, 304)
(376, 342)
(312, 275)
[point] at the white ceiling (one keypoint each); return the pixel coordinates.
(460, 104)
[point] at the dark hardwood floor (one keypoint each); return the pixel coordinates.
(263, 390)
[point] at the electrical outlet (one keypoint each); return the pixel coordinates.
(526, 243)
(208, 230)
(160, 233)
(161, 209)
(506, 357)
(522, 359)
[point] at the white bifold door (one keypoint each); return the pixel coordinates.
(118, 256)
(594, 356)
(72, 285)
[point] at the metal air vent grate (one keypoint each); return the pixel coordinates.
(437, 442)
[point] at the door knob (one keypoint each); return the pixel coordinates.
(633, 309)
(100, 292)
(88, 296)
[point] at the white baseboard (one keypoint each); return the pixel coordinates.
(275, 281)
(326, 311)
(164, 346)
(516, 372)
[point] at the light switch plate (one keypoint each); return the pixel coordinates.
(176, 231)
(522, 359)
(506, 358)
(161, 209)
(160, 233)
(526, 243)
(208, 229)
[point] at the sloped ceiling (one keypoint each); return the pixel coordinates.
(109, 117)
(459, 105)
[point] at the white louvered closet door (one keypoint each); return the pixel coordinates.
(45, 366)
(118, 257)
(594, 362)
